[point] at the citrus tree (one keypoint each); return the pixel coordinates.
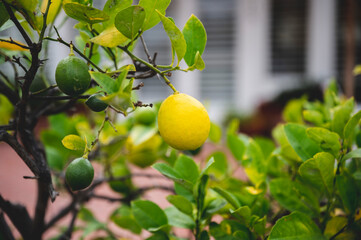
(303, 183)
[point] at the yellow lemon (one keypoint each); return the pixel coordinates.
(183, 122)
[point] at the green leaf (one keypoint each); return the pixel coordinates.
(110, 37)
(231, 199)
(169, 172)
(151, 17)
(327, 140)
(129, 21)
(220, 166)
(73, 142)
(348, 191)
(140, 134)
(289, 196)
(196, 38)
(296, 226)
(201, 193)
(215, 133)
(300, 142)
(4, 16)
(313, 116)
(293, 111)
(84, 13)
(341, 115)
(334, 225)
(236, 146)
(208, 165)
(187, 168)
(349, 129)
(181, 203)
(107, 83)
(353, 154)
(120, 101)
(149, 215)
(177, 218)
(124, 218)
(243, 214)
(319, 171)
(198, 63)
(175, 35)
(112, 7)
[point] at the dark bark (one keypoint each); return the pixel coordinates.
(5, 231)
(19, 216)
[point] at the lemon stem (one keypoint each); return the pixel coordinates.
(132, 56)
(71, 50)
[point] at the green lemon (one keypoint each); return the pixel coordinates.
(72, 76)
(146, 153)
(145, 116)
(95, 104)
(79, 174)
(125, 186)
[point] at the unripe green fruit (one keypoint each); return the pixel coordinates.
(79, 174)
(145, 116)
(95, 104)
(72, 76)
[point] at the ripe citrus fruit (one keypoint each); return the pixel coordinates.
(183, 122)
(72, 76)
(124, 186)
(145, 116)
(79, 174)
(95, 104)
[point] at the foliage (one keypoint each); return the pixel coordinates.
(305, 182)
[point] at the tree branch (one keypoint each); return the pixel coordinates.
(4, 228)
(9, 93)
(17, 24)
(19, 216)
(13, 142)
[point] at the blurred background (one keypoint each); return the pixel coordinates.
(256, 50)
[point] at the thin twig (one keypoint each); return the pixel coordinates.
(55, 98)
(146, 50)
(17, 24)
(15, 43)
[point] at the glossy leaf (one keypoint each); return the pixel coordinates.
(243, 214)
(105, 82)
(220, 166)
(288, 195)
(110, 37)
(149, 215)
(124, 218)
(319, 171)
(348, 191)
(327, 140)
(198, 63)
(349, 129)
(175, 35)
(84, 13)
(177, 218)
(300, 142)
(73, 142)
(187, 168)
(231, 199)
(353, 154)
(236, 146)
(129, 21)
(196, 38)
(334, 225)
(112, 7)
(181, 203)
(151, 17)
(313, 116)
(169, 172)
(296, 226)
